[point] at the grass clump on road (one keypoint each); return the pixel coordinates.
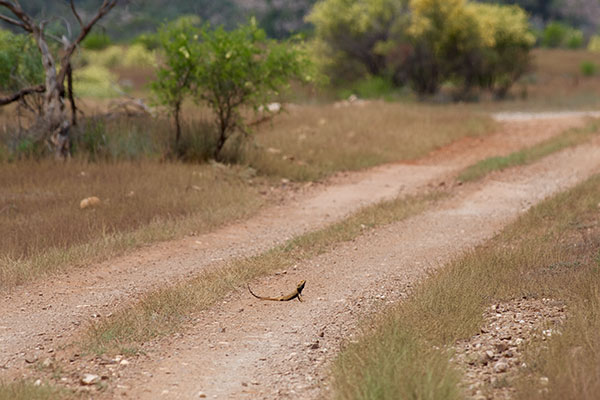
(166, 310)
(25, 390)
(533, 258)
(571, 137)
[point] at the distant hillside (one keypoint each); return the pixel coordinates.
(279, 18)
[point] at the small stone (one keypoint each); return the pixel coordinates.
(89, 379)
(124, 362)
(489, 354)
(47, 363)
(544, 381)
(315, 345)
(201, 395)
(500, 366)
(31, 358)
(37, 382)
(501, 347)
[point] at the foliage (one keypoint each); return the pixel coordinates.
(357, 31)
(558, 34)
(242, 68)
(588, 68)
(424, 43)
(594, 43)
(176, 75)
(95, 81)
(96, 41)
(137, 55)
(506, 42)
(20, 61)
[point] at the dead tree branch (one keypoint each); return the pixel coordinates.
(21, 94)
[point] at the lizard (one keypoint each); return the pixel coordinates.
(296, 294)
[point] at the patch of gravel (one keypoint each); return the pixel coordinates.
(492, 358)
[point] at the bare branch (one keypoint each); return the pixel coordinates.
(76, 14)
(106, 6)
(24, 21)
(21, 94)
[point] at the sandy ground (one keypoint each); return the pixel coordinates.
(250, 349)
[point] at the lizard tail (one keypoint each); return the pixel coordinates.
(252, 293)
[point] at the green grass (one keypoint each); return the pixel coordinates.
(448, 306)
(571, 137)
(165, 310)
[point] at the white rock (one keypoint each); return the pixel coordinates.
(500, 366)
(89, 202)
(89, 379)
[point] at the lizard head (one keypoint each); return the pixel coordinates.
(301, 285)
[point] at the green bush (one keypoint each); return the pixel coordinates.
(20, 62)
(425, 43)
(554, 34)
(558, 34)
(96, 41)
(588, 68)
(226, 70)
(574, 39)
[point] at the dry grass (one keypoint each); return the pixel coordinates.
(571, 137)
(166, 310)
(25, 390)
(43, 229)
(552, 251)
(313, 141)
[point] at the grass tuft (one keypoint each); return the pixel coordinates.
(25, 390)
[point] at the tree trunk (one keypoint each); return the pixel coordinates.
(55, 121)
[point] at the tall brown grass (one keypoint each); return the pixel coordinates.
(40, 218)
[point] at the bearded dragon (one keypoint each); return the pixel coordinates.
(295, 294)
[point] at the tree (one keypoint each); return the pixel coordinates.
(243, 69)
(55, 124)
(358, 30)
(178, 41)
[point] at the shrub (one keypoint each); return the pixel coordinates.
(574, 39)
(96, 41)
(242, 68)
(20, 61)
(588, 68)
(138, 56)
(357, 30)
(558, 34)
(554, 34)
(95, 81)
(594, 44)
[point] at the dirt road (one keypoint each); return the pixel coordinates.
(246, 348)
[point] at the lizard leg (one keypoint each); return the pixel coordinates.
(300, 298)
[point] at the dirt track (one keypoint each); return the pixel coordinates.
(267, 346)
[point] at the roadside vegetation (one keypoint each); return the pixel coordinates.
(167, 310)
(45, 231)
(571, 137)
(550, 252)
